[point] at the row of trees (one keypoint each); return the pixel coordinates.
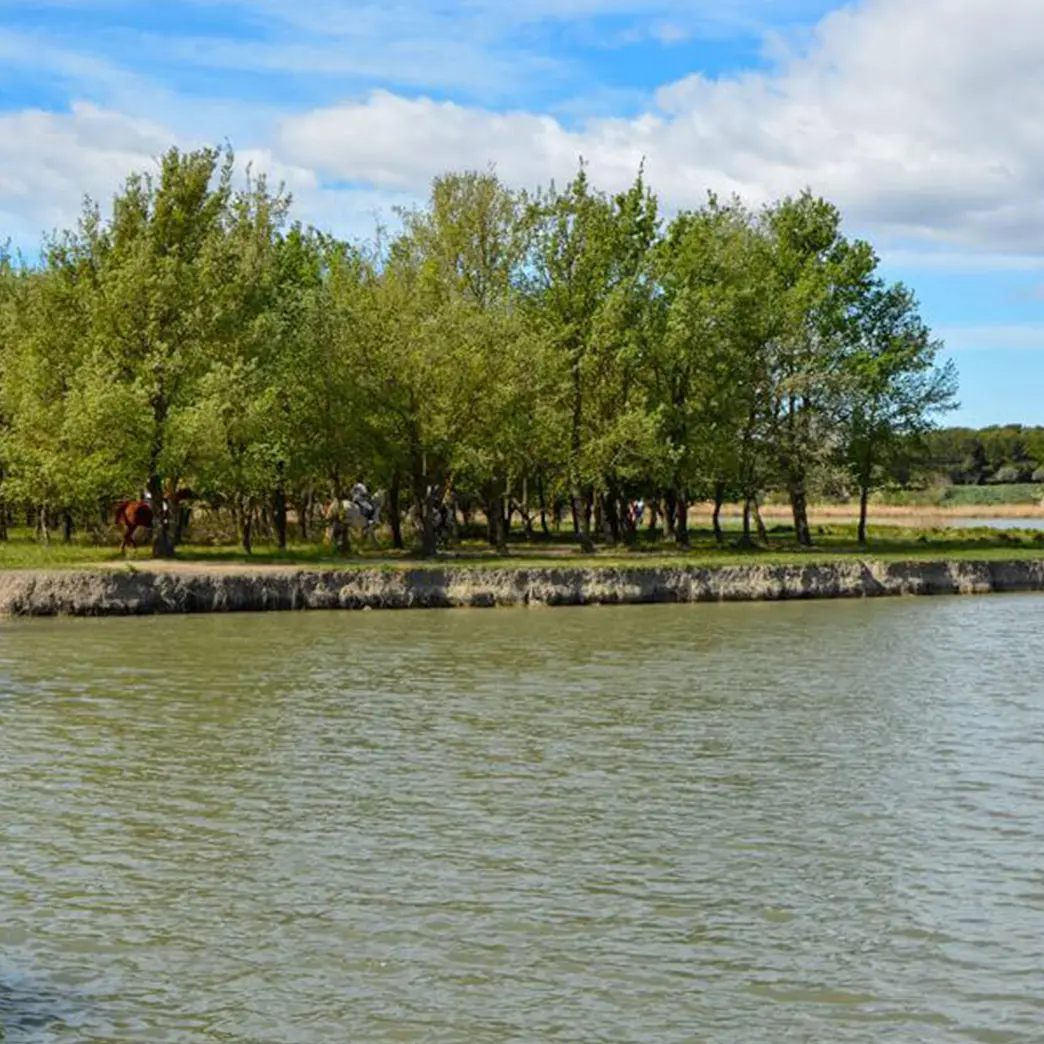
(565, 342)
(1009, 453)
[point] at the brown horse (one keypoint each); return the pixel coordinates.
(132, 515)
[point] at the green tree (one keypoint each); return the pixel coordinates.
(819, 277)
(155, 300)
(894, 386)
(586, 278)
(707, 365)
(468, 246)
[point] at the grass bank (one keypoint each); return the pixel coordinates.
(834, 541)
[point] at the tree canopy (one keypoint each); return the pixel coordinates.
(562, 343)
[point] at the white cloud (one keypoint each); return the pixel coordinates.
(670, 33)
(49, 161)
(919, 119)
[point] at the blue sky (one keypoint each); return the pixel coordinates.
(916, 119)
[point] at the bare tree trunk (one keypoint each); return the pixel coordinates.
(864, 503)
(581, 511)
(670, 514)
(247, 528)
(799, 507)
(279, 516)
(162, 545)
(424, 498)
(610, 512)
(681, 527)
(746, 540)
(506, 512)
(762, 531)
(67, 527)
(719, 499)
(497, 521)
(395, 511)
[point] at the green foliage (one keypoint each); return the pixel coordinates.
(564, 340)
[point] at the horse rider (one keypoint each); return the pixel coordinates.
(361, 499)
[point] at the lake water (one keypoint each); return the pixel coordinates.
(997, 523)
(927, 520)
(637, 825)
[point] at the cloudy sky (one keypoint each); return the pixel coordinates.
(920, 118)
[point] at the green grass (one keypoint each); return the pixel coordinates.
(964, 496)
(833, 543)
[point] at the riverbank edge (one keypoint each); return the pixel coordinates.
(112, 593)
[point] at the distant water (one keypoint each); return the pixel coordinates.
(997, 523)
(943, 521)
(642, 825)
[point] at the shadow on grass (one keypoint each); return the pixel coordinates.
(833, 541)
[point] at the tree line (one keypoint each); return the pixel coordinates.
(562, 346)
(999, 454)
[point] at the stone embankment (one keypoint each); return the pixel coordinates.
(118, 593)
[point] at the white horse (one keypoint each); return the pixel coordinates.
(348, 513)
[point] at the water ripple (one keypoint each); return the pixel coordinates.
(661, 824)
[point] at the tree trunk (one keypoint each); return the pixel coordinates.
(3, 510)
(581, 511)
(654, 511)
(746, 540)
(180, 522)
(449, 506)
(799, 506)
(429, 538)
(500, 535)
(342, 535)
(496, 520)
(423, 499)
(670, 512)
(543, 508)
(162, 545)
(247, 529)
(394, 514)
(582, 522)
(612, 514)
(864, 500)
(279, 516)
(506, 512)
(681, 526)
(719, 499)
(762, 531)
(67, 527)
(45, 531)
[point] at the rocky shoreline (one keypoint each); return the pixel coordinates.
(142, 592)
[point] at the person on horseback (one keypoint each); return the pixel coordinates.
(361, 499)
